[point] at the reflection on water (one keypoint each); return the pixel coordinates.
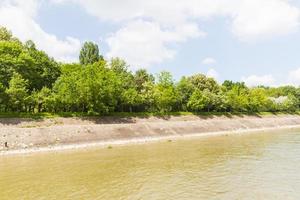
(256, 166)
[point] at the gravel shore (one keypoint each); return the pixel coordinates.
(28, 135)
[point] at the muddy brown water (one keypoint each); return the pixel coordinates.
(263, 165)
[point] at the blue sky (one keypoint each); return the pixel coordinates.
(243, 40)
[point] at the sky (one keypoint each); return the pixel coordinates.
(255, 41)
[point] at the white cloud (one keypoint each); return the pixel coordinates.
(294, 77)
(212, 73)
(209, 61)
(249, 20)
(256, 19)
(149, 28)
(19, 16)
(254, 80)
(143, 43)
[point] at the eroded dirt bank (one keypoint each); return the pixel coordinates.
(16, 134)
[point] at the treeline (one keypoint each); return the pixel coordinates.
(31, 81)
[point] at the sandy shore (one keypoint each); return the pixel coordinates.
(26, 135)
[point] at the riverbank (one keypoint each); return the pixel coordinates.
(19, 135)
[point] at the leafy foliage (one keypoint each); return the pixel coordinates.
(31, 81)
(89, 53)
(17, 92)
(32, 64)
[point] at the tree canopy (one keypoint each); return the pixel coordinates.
(31, 81)
(89, 53)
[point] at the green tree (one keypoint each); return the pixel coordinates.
(3, 98)
(43, 100)
(87, 89)
(237, 99)
(30, 63)
(66, 88)
(5, 34)
(148, 97)
(206, 100)
(230, 84)
(44, 70)
(197, 101)
(17, 92)
(10, 59)
(220, 102)
(165, 93)
(258, 100)
(291, 103)
(131, 98)
(141, 76)
(89, 53)
(185, 89)
(125, 82)
(202, 82)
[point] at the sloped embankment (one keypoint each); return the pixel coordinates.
(25, 133)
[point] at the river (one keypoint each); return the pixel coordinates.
(243, 166)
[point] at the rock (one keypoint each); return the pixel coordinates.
(24, 146)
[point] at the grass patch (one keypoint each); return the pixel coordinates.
(139, 114)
